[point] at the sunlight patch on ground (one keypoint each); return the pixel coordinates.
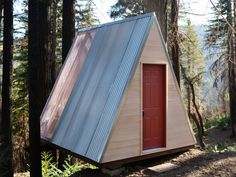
(22, 174)
(163, 167)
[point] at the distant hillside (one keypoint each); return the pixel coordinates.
(209, 93)
(200, 29)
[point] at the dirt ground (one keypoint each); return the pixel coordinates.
(193, 163)
(196, 163)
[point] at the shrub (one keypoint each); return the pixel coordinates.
(221, 147)
(219, 121)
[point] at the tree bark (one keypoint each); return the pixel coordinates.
(6, 167)
(39, 76)
(160, 8)
(174, 45)
(188, 99)
(68, 26)
(232, 101)
(196, 109)
(200, 135)
(231, 72)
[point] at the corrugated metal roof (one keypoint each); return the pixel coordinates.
(88, 117)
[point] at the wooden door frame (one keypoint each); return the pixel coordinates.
(143, 152)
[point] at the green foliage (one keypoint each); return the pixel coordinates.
(125, 8)
(85, 14)
(19, 95)
(217, 35)
(50, 168)
(219, 121)
(20, 106)
(192, 64)
(217, 31)
(191, 55)
(220, 148)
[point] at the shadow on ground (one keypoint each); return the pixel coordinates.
(193, 163)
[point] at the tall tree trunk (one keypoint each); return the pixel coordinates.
(200, 135)
(51, 60)
(68, 34)
(39, 76)
(189, 71)
(160, 8)
(231, 74)
(68, 26)
(6, 167)
(174, 45)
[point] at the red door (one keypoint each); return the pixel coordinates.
(154, 106)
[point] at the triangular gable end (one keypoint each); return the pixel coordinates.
(126, 138)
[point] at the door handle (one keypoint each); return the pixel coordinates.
(143, 113)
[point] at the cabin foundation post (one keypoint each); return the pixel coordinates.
(113, 171)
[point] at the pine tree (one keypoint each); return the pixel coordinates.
(85, 14)
(127, 8)
(192, 61)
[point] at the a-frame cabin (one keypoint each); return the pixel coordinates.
(116, 98)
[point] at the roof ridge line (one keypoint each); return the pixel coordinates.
(117, 21)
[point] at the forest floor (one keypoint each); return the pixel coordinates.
(219, 159)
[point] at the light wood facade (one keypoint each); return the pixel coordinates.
(126, 138)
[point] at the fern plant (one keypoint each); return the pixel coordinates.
(50, 168)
